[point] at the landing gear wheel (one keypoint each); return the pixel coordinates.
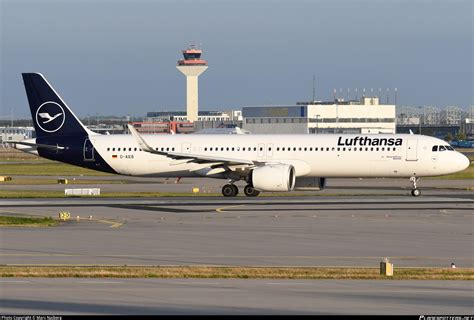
(415, 191)
(250, 191)
(230, 190)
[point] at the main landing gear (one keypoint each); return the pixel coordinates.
(231, 190)
(250, 191)
(415, 191)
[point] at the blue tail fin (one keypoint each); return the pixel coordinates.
(51, 116)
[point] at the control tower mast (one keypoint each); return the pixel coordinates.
(192, 66)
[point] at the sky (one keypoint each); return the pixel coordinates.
(119, 57)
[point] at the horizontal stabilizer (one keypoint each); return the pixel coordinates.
(37, 145)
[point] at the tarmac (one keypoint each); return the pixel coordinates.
(351, 223)
(231, 296)
(272, 231)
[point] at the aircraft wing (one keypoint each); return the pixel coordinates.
(196, 158)
(37, 145)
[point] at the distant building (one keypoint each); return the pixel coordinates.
(107, 128)
(160, 116)
(467, 125)
(223, 130)
(163, 121)
(366, 115)
(165, 127)
(16, 133)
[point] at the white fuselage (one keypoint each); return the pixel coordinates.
(399, 155)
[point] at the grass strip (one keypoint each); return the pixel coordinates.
(47, 169)
(51, 181)
(6, 221)
(211, 272)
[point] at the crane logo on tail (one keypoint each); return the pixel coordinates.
(50, 116)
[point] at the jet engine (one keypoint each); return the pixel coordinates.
(273, 177)
(310, 184)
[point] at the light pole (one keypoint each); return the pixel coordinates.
(317, 123)
(419, 120)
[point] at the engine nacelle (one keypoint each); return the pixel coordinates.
(310, 184)
(273, 177)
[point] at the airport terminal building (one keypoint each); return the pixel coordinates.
(366, 115)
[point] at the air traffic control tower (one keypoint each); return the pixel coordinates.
(192, 66)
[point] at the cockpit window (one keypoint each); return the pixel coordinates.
(442, 148)
(450, 148)
(435, 148)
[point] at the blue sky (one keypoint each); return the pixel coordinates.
(119, 57)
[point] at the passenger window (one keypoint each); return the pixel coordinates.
(327, 148)
(305, 149)
(108, 149)
(135, 149)
(442, 148)
(243, 149)
(316, 149)
(338, 149)
(383, 149)
(118, 149)
(311, 149)
(232, 148)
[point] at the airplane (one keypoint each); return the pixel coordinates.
(273, 162)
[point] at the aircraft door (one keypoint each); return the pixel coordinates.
(88, 150)
(261, 150)
(269, 150)
(186, 147)
(412, 152)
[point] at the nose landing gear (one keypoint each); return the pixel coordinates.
(415, 191)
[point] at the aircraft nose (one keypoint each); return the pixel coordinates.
(464, 162)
